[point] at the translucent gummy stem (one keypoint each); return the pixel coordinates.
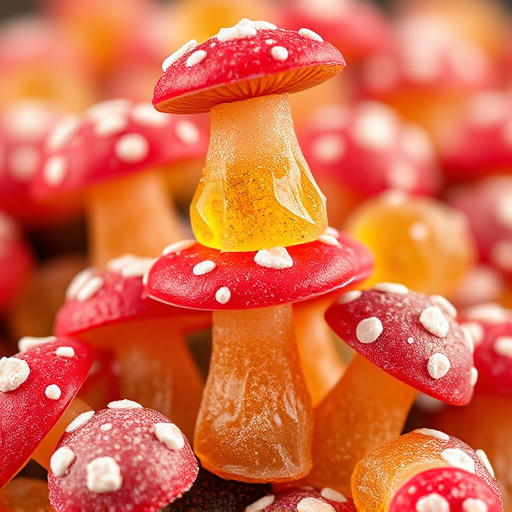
(255, 420)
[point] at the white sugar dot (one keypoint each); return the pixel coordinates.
(54, 170)
(203, 267)
(111, 125)
(244, 28)
(261, 504)
(178, 54)
(132, 147)
(369, 329)
(130, 265)
(65, 352)
(13, 373)
(309, 34)
(493, 313)
(402, 175)
(467, 338)
(170, 435)
(328, 240)
(80, 421)
(503, 211)
(433, 433)
(474, 505)
(102, 109)
(503, 346)
(196, 58)
(444, 304)
(124, 404)
(375, 127)
(29, 342)
(329, 148)
(434, 321)
(391, 288)
(63, 132)
(106, 427)
(145, 114)
(417, 144)
(459, 459)
(314, 505)
(23, 162)
(438, 366)
(473, 378)
(279, 53)
(485, 461)
(432, 503)
(177, 247)
(103, 475)
(187, 132)
(61, 460)
(90, 288)
(223, 295)
(332, 495)
(78, 281)
(53, 392)
(276, 258)
(350, 296)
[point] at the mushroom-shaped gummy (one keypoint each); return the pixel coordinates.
(425, 470)
(124, 457)
(37, 400)
(113, 155)
(405, 342)
(110, 310)
(25, 493)
(262, 242)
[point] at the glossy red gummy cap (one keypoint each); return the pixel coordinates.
(326, 500)
(199, 277)
(253, 58)
(123, 455)
(36, 388)
(414, 338)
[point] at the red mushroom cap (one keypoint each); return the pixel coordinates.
(113, 139)
(368, 148)
(253, 58)
(122, 456)
(364, 256)
(195, 276)
(36, 387)
(446, 489)
(414, 338)
(97, 298)
(16, 260)
(304, 500)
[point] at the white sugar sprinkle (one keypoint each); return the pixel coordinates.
(503, 346)
(391, 288)
(109, 126)
(203, 267)
(90, 288)
(444, 304)
(178, 53)
(434, 321)
(63, 132)
(276, 258)
(61, 460)
(106, 427)
(328, 240)
(55, 170)
(145, 114)
(80, 421)
(196, 58)
(438, 366)
(279, 53)
(459, 459)
(78, 281)
(29, 342)
(170, 435)
(223, 295)
(67, 352)
(490, 312)
(467, 338)
(474, 505)
(433, 433)
(13, 373)
(187, 132)
(130, 265)
(475, 330)
(485, 461)
(261, 504)
(314, 505)
(329, 148)
(309, 34)
(369, 329)
(132, 148)
(350, 296)
(177, 247)
(124, 404)
(473, 376)
(103, 475)
(332, 495)
(432, 503)
(53, 392)
(108, 108)
(239, 31)
(375, 127)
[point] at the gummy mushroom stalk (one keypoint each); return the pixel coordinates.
(37, 399)
(405, 342)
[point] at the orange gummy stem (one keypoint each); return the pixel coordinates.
(133, 215)
(367, 408)
(255, 420)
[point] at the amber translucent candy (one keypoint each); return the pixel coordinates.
(25, 495)
(255, 421)
(419, 242)
(257, 191)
